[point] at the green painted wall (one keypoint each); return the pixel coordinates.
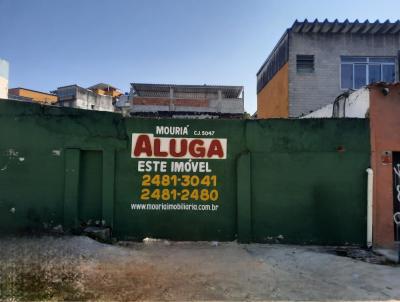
(90, 187)
(309, 185)
(180, 225)
(40, 150)
(294, 181)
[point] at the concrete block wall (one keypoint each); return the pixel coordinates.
(90, 100)
(228, 106)
(311, 91)
(232, 106)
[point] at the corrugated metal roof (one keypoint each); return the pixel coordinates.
(200, 91)
(337, 27)
(102, 86)
(284, 36)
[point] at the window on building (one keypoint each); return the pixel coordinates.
(305, 63)
(360, 71)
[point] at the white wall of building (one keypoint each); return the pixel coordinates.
(92, 101)
(356, 105)
(4, 69)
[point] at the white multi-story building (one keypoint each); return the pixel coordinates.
(78, 97)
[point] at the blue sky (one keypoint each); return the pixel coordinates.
(54, 43)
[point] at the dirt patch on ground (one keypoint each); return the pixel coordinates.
(78, 268)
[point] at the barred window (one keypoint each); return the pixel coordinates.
(305, 63)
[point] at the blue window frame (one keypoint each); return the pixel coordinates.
(356, 72)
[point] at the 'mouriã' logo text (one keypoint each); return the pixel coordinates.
(145, 145)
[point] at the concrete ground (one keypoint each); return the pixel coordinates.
(79, 268)
(390, 254)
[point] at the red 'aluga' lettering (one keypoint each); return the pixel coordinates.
(143, 145)
(157, 149)
(195, 147)
(199, 151)
(215, 149)
(172, 147)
